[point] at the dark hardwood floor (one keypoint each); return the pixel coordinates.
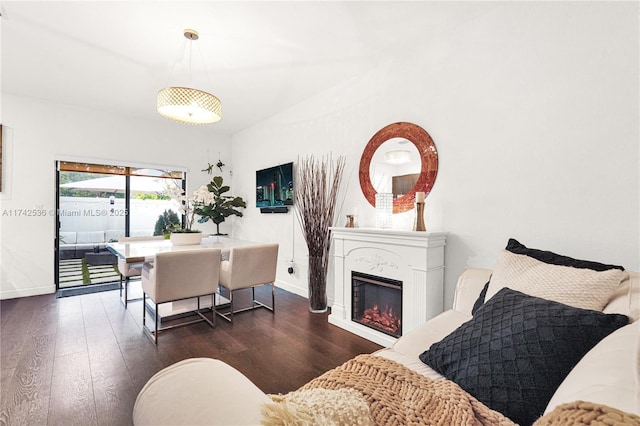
(82, 360)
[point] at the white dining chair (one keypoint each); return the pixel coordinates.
(129, 270)
(179, 275)
(249, 267)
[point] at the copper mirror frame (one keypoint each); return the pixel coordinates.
(428, 157)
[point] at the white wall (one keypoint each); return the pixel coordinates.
(534, 111)
(98, 214)
(37, 132)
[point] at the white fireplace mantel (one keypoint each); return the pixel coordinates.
(415, 258)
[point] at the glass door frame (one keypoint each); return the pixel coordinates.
(177, 172)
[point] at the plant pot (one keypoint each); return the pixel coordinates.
(317, 285)
(186, 238)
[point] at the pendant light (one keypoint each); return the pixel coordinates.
(398, 156)
(188, 105)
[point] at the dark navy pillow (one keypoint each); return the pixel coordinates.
(480, 300)
(517, 349)
(514, 246)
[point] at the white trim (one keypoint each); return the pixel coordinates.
(69, 158)
(362, 331)
(303, 292)
(26, 292)
(7, 162)
(300, 291)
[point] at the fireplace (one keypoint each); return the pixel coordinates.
(377, 303)
(410, 258)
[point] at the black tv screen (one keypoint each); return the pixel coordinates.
(274, 186)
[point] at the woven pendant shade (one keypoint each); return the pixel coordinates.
(190, 106)
(187, 105)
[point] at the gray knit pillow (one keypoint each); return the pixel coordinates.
(577, 287)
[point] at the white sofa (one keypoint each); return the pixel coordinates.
(74, 244)
(607, 374)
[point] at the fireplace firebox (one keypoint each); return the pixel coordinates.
(377, 303)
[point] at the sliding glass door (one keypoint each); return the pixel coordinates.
(98, 204)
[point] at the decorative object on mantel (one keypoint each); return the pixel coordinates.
(384, 210)
(351, 221)
(217, 206)
(318, 182)
(419, 223)
(428, 158)
(187, 105)
(352, 218)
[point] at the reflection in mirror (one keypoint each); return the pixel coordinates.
(378, 173)
(395, 167)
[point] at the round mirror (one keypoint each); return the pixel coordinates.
(400, 158)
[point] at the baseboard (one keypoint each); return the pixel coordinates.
(26, 292)
(292, 288)
(303, 292)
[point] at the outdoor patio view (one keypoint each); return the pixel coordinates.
(93, 211)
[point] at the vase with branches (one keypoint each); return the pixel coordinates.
(316, 194)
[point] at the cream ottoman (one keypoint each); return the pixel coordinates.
(199, 391)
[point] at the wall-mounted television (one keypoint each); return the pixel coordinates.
(274, 188)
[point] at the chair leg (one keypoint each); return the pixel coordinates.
(212, 321)
(273, 298)
(152, 335)
(256, 304)
(213, 308)
(126, 289)
(155, 335)
(124, 283)
(228, 316)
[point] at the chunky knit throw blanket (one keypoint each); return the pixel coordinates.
(395, 395)
(581, 413)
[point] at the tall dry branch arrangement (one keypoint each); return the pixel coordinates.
(316, 193)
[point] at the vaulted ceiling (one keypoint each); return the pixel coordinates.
(260, 57)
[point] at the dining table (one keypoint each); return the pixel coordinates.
(144, 251)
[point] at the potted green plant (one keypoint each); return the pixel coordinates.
(217, 206)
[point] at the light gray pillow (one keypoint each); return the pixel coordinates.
(577, 287)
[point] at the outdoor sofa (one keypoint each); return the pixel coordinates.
(75, 244)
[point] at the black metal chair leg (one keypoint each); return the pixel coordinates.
(126, 295)
(155, 340)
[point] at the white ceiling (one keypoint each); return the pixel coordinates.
(260, 57)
